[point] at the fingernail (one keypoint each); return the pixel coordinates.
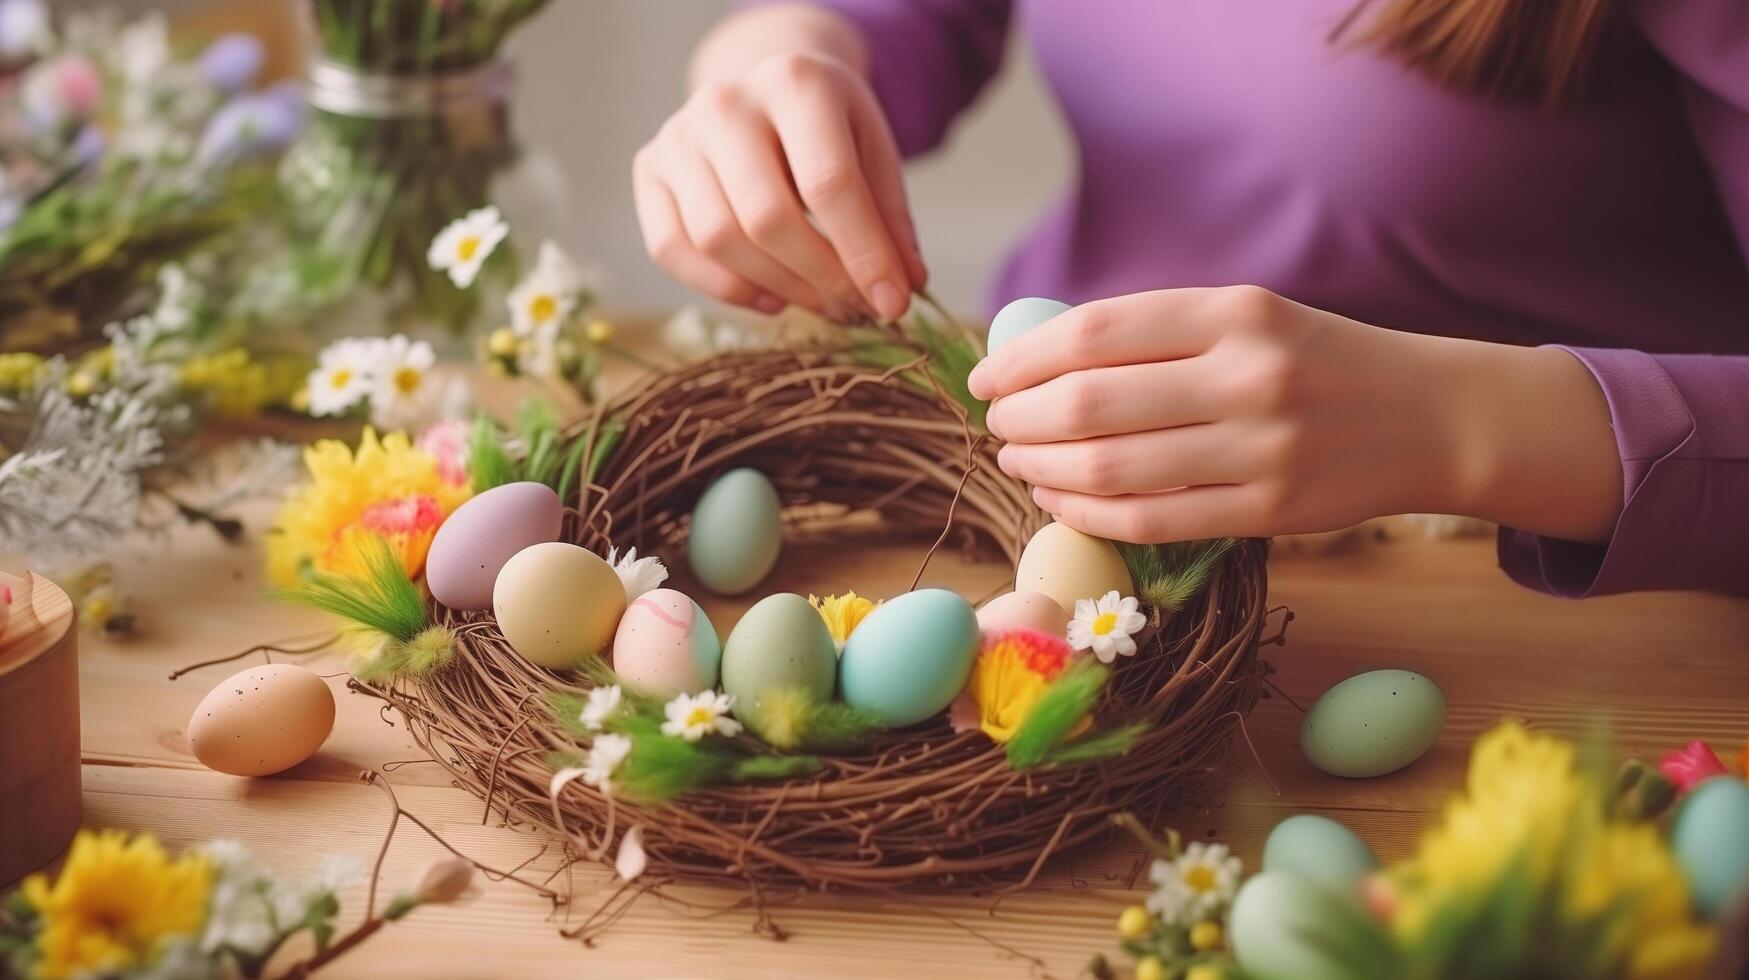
(769, 304)
(889, 301)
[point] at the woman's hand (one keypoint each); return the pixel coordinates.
(1197, 413)
(778, 181)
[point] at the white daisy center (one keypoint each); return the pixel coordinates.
(1104, 623)
(543, 307)
(699, 716)
(465, 249)
(407, 380)
(340, 378)
(1198, 877)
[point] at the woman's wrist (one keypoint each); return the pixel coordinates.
(1529, 440)
(748, 37)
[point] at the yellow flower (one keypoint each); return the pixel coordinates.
(1012, 672)
(1206, 935)
(114, 904)
(387, 488)
(1203, 971)
(843, 614)
(1134, 923)
(598, 331)
(80, 384)
(501, 342)
(1150, 968)
(20, 372)
(236, 385)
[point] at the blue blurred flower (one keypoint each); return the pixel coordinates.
(231, 63)
(88, 146)
(251, 125)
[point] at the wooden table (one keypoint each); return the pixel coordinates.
(1663, 668)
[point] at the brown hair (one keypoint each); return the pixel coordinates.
(1539, 50)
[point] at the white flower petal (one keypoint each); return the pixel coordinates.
(631, 860)
(563, 778)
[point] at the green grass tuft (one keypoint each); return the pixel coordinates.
(384, 600)
(488, 464)
(1168, 576)
(1063, 705)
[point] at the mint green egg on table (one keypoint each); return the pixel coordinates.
(779, 643)
(1373, 723)
(1020, 316)
(911, 657)
(1276, 923)
(736, 532)
(1710, 838)
(1319, 850)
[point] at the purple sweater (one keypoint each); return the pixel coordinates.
(1229, 141)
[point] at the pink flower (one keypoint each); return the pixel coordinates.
(1689, 767)
(447, 441)
(63, 90)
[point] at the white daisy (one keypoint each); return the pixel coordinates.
(1197, 885)
(548, 294)
(404, 393)
(693, 716)
(343, 376)
(638, 575)
(1106, 626)
(602, 703)
(605, 755)
(464, 244)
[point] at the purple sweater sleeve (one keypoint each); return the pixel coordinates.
(1681, 421)
(928, 59)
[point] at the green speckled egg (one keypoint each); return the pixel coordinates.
(1711, 841)
(736, 532)
(1275, 924)
(1319, 850)
(911, 657)
(1020, 316)
(1373, 723)
(779, 643)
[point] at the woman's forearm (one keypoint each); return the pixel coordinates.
(750, 36)
(1531, 437)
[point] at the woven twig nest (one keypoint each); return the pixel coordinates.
(920, 807)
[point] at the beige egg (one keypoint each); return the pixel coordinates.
(557, 603)
(1024, 611)
(262, 721)
(1067, 565)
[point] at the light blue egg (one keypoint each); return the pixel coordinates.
(1277, 924)
(1020, 316)
(780, 643)
(911, 657)
(736, 532)
(1319, 850)
(1373, 723)
(1711, 841)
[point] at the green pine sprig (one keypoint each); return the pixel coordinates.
(1059, 710)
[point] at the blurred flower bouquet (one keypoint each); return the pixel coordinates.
(410, 129)
(116, 159)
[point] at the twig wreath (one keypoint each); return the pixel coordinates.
(879, 426)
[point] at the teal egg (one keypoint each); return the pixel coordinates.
(779, 643)
(1373, 723)
(1710, 838)
(1320, 850)
(911, 657)
(736, 532)
(1020, 316)
(1277, 924)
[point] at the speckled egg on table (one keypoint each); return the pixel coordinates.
(1373, 723)
(1020, 316)
(911, 657)
(779, 643)
(473, 544)
(1710, 838)
(666, 645)
(557, 603)
(1068, 565)
(262, 720)
(1024, 611)
(736, 532)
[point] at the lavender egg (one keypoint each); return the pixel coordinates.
(483, 533)
(666, 645)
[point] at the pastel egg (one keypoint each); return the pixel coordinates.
(1067, 565)
(1020, 316)
(1279, 925)
(911, 657)
(1320, 850)
(1373, 723)
(262, 720)
(557, 603)
(666, 645)
(1710, 839)
(1024, 611)
(736, 532)
(473, 544)
(779, 643)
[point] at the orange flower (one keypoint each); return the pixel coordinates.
(1012, 672)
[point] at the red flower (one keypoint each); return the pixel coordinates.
(1689, 767)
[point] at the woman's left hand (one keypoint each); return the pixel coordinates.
(1197, 413)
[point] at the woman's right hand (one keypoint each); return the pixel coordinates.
(782, 185)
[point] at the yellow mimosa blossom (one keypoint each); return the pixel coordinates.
(843, 614)
(237, 384)
(386, 488)
(20, 372)
(114, 904)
